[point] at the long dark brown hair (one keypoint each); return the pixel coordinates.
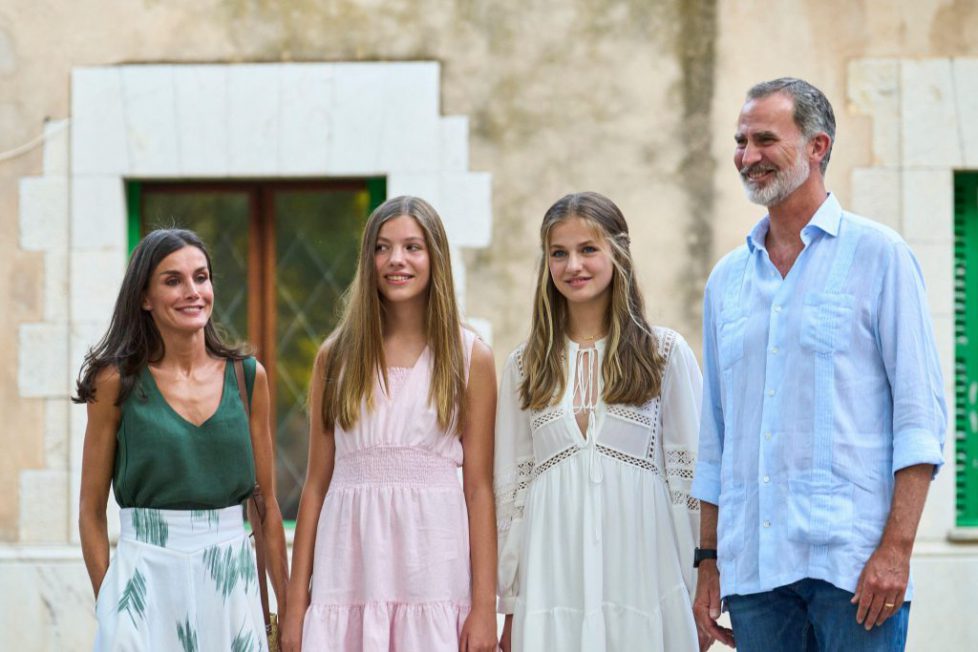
(632, 368)
(355, 355)
(132, 340)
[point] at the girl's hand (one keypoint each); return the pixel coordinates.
(479, 631)
(506, 642)
(290, 632)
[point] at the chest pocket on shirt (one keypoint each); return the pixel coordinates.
(730, 338)
(826, 322)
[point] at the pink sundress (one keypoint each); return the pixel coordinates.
(391, 568)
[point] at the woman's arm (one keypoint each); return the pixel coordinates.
(319, 471)
(513, 472)
(261, 442)
(98, 458)
(479, 631)
(682, 391)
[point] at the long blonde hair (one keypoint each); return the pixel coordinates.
(355, 349)
(633, 367)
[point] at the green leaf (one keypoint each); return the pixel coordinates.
(210, 516)
(150, 526)
(243, 642)
(227, 567)
(188, 637)
(133, 600)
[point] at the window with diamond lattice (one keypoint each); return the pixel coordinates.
(283, 253)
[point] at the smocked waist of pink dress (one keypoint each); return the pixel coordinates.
(393, 465)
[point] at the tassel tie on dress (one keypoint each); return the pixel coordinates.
(587, 389)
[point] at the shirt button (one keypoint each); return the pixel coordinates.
(767, 479)
(774, 349)
(770, 392)
(767, 435)
(777, 308)
(767, 523)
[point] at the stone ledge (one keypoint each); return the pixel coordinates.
(960, 535)
(46, 553)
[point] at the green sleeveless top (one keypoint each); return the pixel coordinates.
(165, 462)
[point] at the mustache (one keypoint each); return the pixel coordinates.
(757, 167)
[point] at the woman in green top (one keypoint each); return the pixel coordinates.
(167, 428)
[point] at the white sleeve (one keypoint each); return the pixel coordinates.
(682, 390)
(513, 471)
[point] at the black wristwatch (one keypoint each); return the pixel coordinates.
(699, 554)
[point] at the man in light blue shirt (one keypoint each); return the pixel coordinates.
(823, 410)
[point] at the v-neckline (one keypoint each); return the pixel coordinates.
(173, 410)
(575, 349)
(410, 371)
(416, 360)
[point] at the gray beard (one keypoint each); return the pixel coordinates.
(784, 183)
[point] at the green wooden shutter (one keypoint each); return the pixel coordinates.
(377, 189)
(134, 204)
(965, 356)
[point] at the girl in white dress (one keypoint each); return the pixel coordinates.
(596, 431)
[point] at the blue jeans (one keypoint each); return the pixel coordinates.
(810, 616)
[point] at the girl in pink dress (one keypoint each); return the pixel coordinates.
(401, 396)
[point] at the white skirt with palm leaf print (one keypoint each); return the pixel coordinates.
(181, 581)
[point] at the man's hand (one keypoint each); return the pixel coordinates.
(705, 639)
(706, 606)
(882, 585)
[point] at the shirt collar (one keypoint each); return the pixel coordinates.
(826, 219)
(755, 239)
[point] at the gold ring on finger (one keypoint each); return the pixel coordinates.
(888, 605)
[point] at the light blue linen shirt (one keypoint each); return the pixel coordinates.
(818, 387)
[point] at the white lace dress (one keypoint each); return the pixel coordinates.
(597, 530)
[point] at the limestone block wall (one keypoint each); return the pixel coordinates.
(42, 363)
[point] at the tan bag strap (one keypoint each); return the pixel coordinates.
(256, 508)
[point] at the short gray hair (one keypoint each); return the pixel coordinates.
(813, 112)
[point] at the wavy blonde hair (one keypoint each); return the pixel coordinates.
(633, 367)
(355, 349)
